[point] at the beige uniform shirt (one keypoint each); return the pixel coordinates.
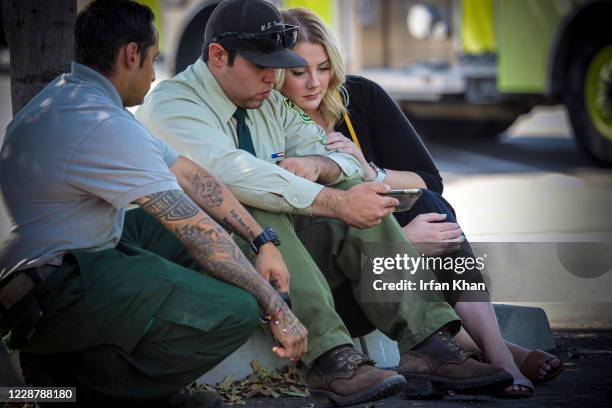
(191, 113)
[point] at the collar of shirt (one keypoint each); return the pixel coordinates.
(93, 77)
(214, 95)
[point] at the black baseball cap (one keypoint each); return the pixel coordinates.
(255, 30)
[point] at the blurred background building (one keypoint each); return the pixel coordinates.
(460, 66)
(455, 66)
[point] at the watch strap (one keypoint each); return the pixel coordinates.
(380, 173)
(267, 235)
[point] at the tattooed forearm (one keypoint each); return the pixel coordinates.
(210, 245)
(215, 198)
(228, 226)
(239, 225)
(172, 205)
(207, 188)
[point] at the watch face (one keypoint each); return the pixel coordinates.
(271, 235)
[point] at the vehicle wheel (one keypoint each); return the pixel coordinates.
(589, 99)
(190, 43)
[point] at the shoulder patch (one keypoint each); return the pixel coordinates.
(305, 118)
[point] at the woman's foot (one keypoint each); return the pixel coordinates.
(522, 387)
(539, 366)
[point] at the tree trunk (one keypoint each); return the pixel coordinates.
(40, 35)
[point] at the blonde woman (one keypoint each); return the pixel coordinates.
(389, 149)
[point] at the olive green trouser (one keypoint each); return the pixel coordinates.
(139, 321)
(311, 245)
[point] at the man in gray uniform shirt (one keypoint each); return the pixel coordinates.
(128, 306)
(223, 113)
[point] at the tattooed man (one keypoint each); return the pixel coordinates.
(126, 305)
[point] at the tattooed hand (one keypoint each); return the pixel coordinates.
(290, 333)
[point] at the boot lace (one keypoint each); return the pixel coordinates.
(451, 343)
(351, 358)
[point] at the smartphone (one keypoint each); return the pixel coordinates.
(406, 197)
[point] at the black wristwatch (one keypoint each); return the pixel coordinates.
(268, 235)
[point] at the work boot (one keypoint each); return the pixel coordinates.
(348, 377)
(439, 361)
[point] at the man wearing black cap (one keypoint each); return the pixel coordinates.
(223, 113)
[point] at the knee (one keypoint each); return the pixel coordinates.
(431, 198)
(434, 202)
(245, 312)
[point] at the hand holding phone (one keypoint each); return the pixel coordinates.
(406, 197)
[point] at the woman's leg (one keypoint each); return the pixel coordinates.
(467, 341)
(483, 336)
(480, 322)
(478, 318)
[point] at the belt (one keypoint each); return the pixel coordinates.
(22, 282)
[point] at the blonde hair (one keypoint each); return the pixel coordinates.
(314, 30)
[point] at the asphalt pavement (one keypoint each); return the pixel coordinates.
(533, 185)
(585, 383)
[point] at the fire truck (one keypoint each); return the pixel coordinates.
(457, 66)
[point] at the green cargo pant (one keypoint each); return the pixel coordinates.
(312, 245)
(140, 321)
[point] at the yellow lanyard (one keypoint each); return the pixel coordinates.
(352, 131)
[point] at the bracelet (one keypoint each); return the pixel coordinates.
(380, 173)
(264, 318)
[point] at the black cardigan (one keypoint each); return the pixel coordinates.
(385, 134)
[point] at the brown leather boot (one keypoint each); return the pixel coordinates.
(441, 361)
(347, 377)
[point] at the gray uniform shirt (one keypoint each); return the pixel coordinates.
(72, 159)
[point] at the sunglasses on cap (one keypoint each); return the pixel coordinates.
(269, 41)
